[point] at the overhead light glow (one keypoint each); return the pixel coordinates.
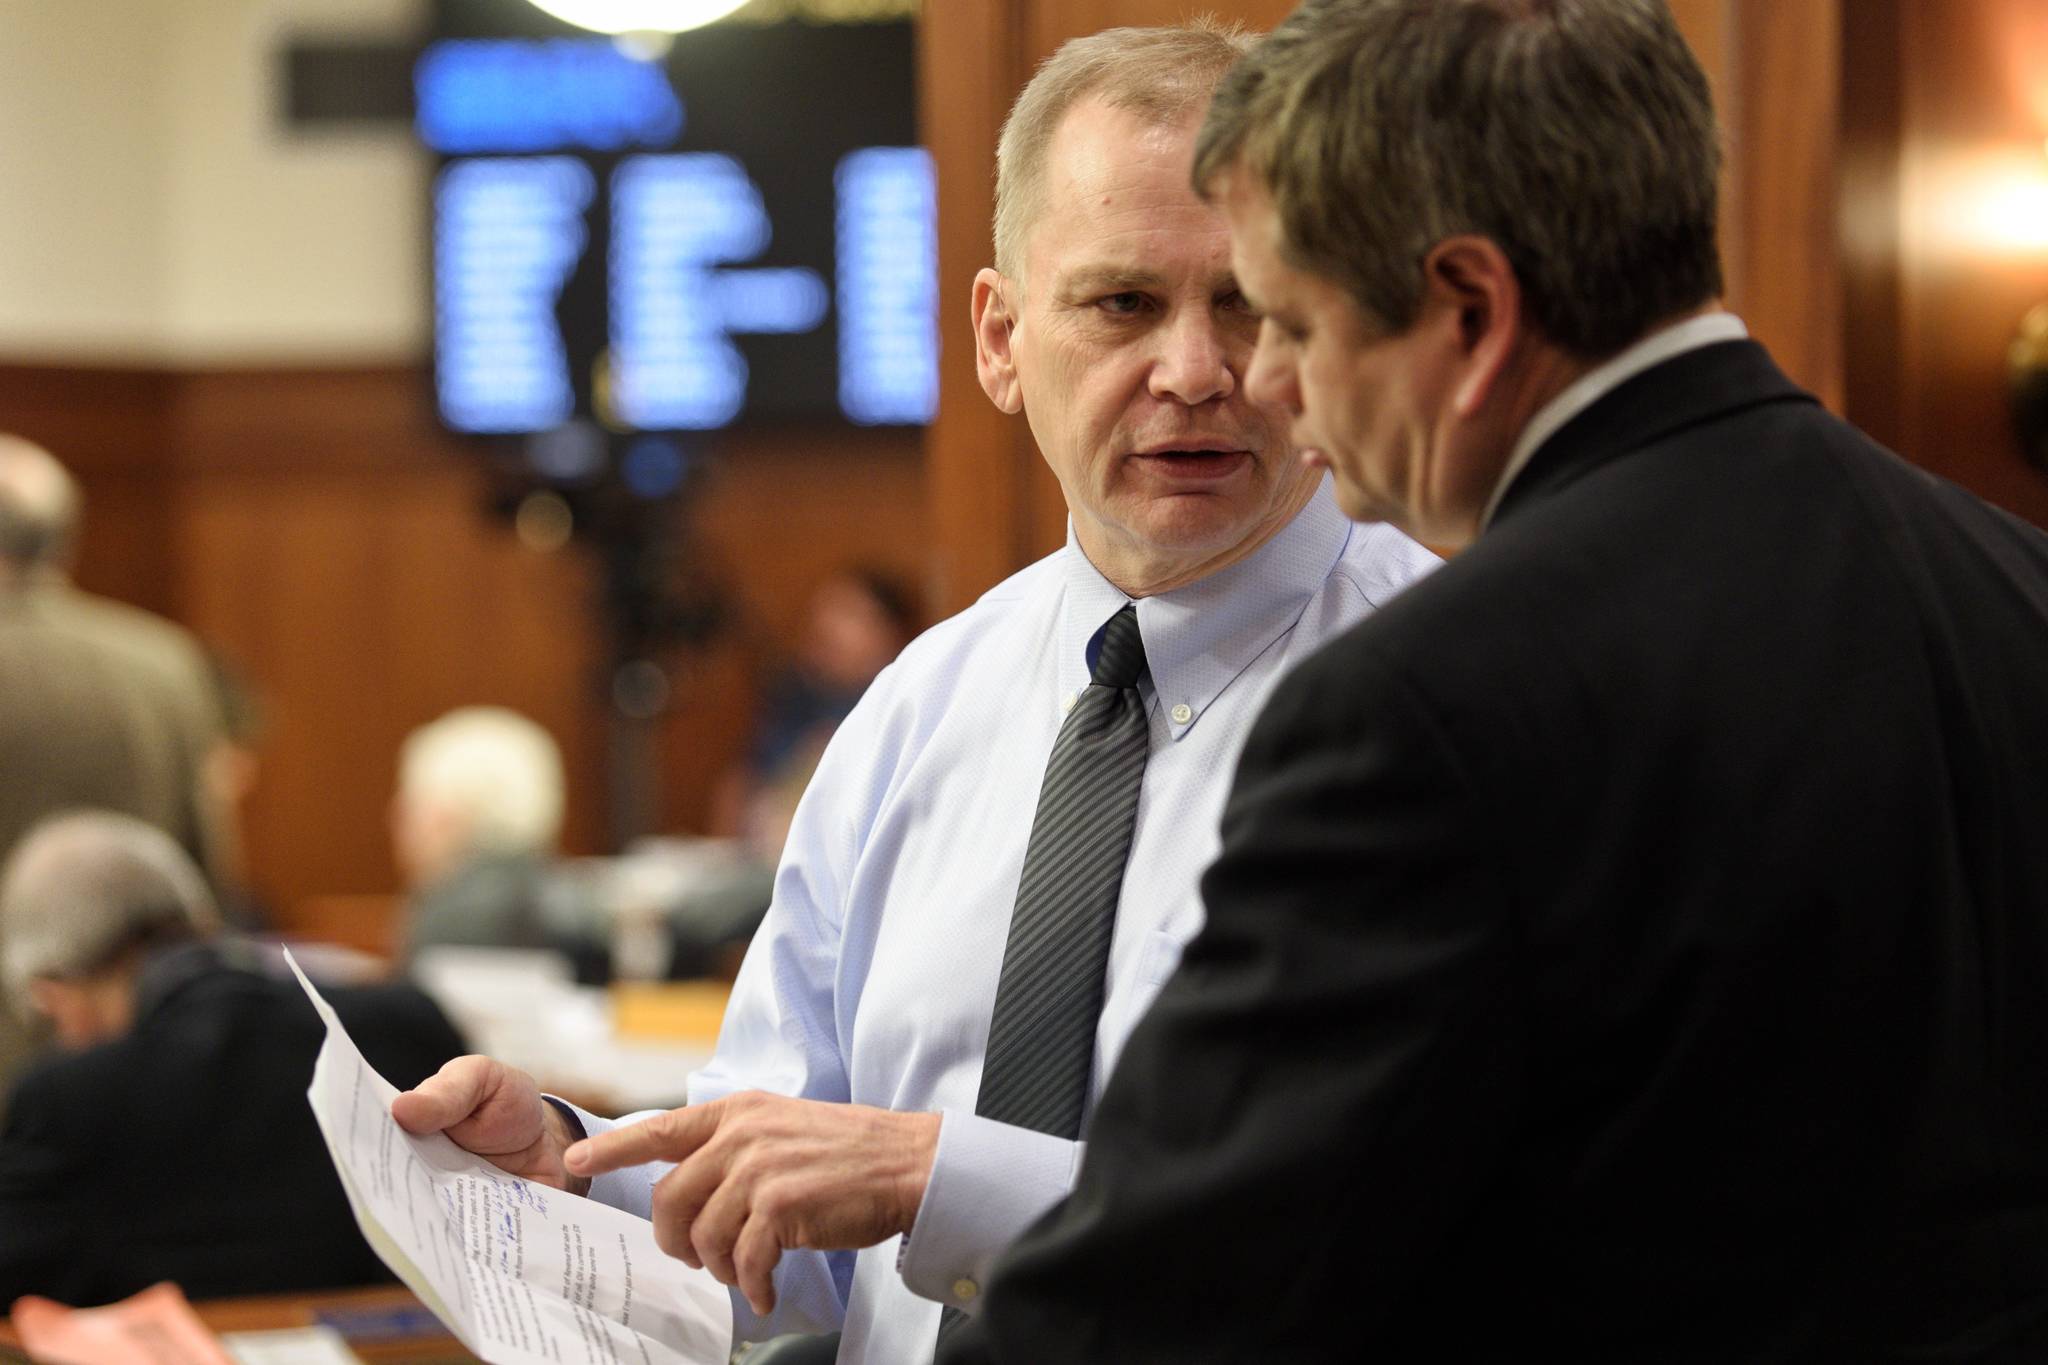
(639, 16)
(1989, 203)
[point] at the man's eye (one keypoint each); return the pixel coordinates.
(1129, 301)
(1235, 302)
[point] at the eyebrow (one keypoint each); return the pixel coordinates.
(1097, 280)
(1107, 279)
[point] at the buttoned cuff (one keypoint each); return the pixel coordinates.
(989, 1182)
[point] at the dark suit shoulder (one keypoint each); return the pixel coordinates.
(399, 1028)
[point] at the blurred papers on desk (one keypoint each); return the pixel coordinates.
(290, 1346)
(627, 1048)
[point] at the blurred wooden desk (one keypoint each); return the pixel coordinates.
(382, 1323)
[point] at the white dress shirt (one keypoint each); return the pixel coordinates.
(873, 977)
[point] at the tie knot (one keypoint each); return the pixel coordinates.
(1121, 660)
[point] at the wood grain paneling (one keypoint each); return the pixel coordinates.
(114, 427)
(971, 61)
(1781, 240)
(1971, 83)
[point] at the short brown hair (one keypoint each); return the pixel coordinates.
(1578, 135)
(1163, 74)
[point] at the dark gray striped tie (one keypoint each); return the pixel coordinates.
(1041, 1041)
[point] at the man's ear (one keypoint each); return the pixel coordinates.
(1470, 277)
(993, 324)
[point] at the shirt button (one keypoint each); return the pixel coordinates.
(1183, 713)
(965, 1289)
(1067, 702)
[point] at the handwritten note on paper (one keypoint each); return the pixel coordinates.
(523, 1274)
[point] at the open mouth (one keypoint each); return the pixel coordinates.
(1196, 464)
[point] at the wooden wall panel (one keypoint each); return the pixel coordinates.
(1780, 109)
(113, 425)
(972, 59)
(1971, 82)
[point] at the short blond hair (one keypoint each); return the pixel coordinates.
(500, 771)
(1163, 75)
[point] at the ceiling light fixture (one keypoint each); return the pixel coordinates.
(639, 16)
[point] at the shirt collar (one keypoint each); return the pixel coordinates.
(1199, 637)
(1705, 330)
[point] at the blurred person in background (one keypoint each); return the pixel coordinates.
(101, 704)
(474, 825)
(856, 623)
(170, 1139)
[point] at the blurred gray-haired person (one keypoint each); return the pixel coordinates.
(170, 1137)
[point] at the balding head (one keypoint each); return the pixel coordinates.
(38, 509)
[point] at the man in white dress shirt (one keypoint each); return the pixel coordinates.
(833, 1168)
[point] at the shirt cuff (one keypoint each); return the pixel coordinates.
(989, 1182)
(631, 1188)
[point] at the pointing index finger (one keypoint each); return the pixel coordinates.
(672, 1136)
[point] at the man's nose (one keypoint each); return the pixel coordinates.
(1194, 363)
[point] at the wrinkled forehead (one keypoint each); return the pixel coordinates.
(1116, 198)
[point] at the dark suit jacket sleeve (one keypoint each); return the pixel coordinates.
(1315, 1099)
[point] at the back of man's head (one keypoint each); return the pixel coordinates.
(1164, 75)
(486, 779)
(1578, 135)
(38, 508)
(85, 890)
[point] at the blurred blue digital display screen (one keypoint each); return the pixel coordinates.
(740, 232)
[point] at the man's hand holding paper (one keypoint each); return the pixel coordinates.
(519, 1270)
(496, 1112)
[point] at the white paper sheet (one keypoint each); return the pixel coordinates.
(523, 1274)
(290, 1346)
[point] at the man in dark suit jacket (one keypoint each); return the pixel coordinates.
(1630, 945)
(176, 1143)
